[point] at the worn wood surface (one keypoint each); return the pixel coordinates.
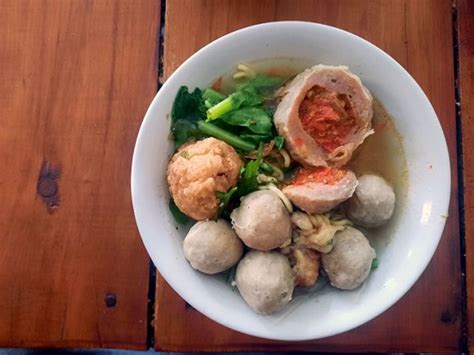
(418, 34)
(76, 78)
(466, 86)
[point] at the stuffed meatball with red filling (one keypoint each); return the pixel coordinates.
(324, 115)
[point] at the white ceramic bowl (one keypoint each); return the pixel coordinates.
(419, 222)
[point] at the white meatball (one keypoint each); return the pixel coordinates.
(373, 202)
(212, 246)
(348, 264)
(262, 221)
(265, 281)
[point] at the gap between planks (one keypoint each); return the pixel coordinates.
(459, 147)
(150, 336)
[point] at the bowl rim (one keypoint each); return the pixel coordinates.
(397, 295)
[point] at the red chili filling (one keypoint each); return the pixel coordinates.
(327, 117)
(324, 175)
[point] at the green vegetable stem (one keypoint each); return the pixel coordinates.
(211, 97)
(219, 133)
(247, 96)
(267, 168)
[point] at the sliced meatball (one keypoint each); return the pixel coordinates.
(319, 190)
(265, 281)
(348, 264)
(197, 171)
(373, 202)
(324, 115)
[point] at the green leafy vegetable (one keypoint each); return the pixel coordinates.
(263, 84)
(187, 105)
(224, 198)
(243, 122)
(279, 142)
(178, 216)
(185, 112)
(183, 130)
(246, 96)
(255, 119)
(247, 183)
(219, 133)
(255, 138)
(375, 264)
(248, 178)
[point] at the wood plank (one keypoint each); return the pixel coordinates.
(76, 78)
(428, 318)
(466, 86)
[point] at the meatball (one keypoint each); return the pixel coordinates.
(197, 171)
(348, 264)
(262, 221)
(324, 115)
(373, 202)
(319, 190)
(212, 246)
(265, 281)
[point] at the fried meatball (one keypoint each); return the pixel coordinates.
(373, 202)
(262, 221)
(212, 246)
(265, 281)
(348, 264)
(197, 171)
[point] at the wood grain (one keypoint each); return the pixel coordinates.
(466, 86)
(76, 78)
(418, 34)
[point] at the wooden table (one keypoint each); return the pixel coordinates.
(76, 77)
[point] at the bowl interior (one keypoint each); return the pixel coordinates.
(404, 249)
